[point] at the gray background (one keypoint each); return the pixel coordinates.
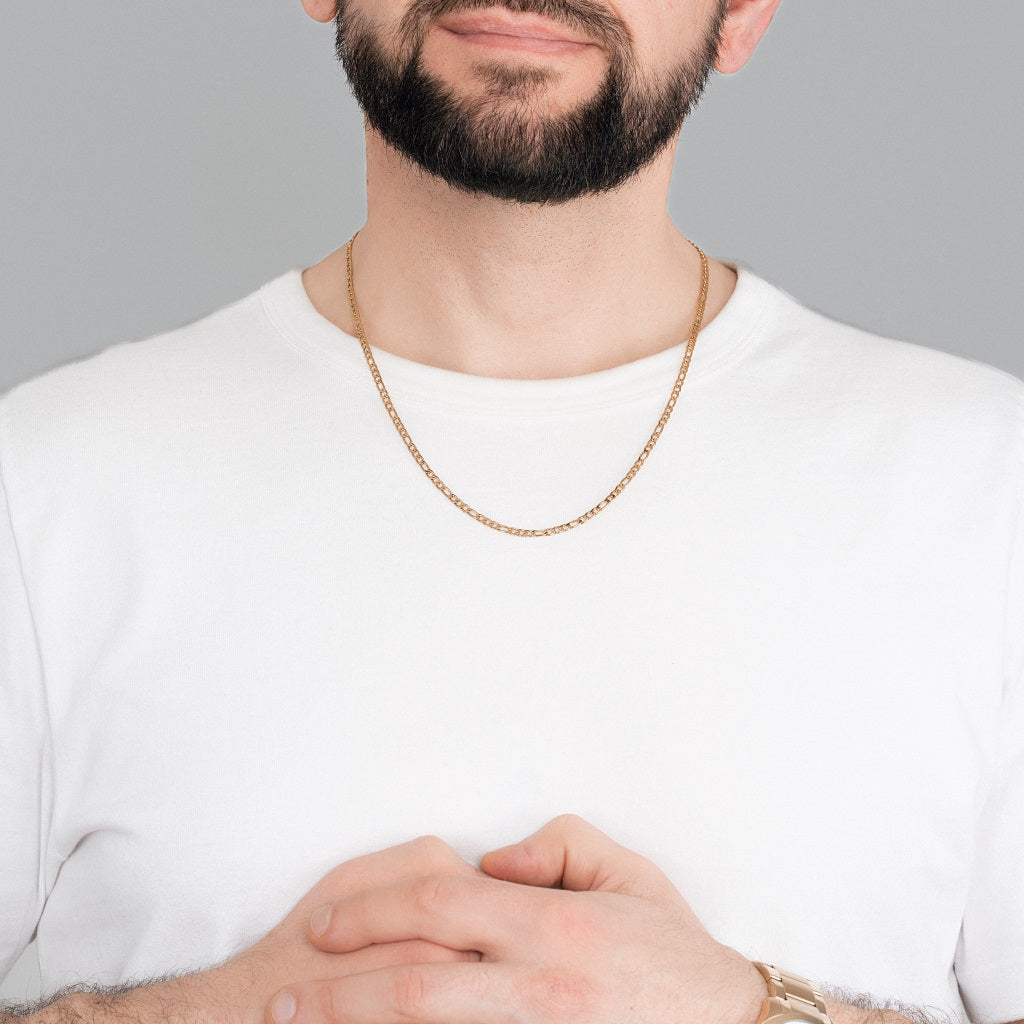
(162, 159)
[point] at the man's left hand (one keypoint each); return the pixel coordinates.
(571, 928)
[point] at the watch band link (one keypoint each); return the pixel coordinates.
(791, 995)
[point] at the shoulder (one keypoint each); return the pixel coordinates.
(133, 388)
(144, 368)
(878, 381)
(96, 425)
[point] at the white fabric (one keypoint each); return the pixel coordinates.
(243, 639)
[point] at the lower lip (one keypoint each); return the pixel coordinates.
(521, 44)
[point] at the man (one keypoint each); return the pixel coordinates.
(247, 638)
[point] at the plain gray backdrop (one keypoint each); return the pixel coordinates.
(159, 160)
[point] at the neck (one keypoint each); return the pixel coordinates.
(497, 289)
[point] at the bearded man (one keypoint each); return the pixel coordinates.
(517, 503)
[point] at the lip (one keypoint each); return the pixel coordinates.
(499, 27)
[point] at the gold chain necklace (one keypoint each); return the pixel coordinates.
(516, 531)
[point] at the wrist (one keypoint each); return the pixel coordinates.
(161, 1002)
(747, 990)
(846, 1013)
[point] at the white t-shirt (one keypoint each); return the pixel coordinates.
(243, 639)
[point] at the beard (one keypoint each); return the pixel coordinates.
(495, 144)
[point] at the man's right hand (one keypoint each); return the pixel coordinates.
(237, 992)
(245, 984)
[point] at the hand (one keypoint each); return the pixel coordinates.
(238, 990)
(616, 944)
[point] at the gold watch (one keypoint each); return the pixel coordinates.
(791, 999)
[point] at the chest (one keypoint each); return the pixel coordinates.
(769, 721)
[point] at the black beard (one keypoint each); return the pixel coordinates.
(487, 145)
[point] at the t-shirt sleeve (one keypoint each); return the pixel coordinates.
(990, 956)
(25, 753)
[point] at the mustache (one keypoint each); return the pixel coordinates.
(585, 16)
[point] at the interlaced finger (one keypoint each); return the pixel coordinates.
(459, 911)
(417, 994)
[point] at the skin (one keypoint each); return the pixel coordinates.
(530, 291)
(237, 991)
(565, 927)
(614, 944)
(570, 927)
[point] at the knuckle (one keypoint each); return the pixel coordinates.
(411, 993)
(430, 894)
(430, 845)
(435, 852)
(332, 1004)
(561, 995)
(569, 823)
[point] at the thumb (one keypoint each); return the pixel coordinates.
(570, 853)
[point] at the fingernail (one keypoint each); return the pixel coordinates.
(320, 920)
(283, 1007)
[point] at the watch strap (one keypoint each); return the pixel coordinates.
(790, 998)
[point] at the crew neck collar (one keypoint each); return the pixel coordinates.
(720, 343)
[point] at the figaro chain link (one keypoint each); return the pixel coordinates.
(464, 506)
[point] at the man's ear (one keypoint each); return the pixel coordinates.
(745, 23)
(321, 10)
